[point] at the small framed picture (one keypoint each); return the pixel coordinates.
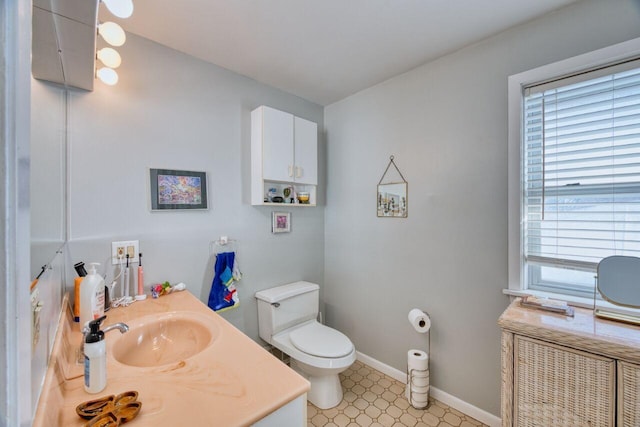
(281, 222)
(176, 189)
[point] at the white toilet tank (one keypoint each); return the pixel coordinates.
(285, 306)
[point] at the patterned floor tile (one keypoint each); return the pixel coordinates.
(372, 399)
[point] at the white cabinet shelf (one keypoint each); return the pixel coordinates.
(284, 153)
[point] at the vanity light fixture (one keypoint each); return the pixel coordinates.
(109, 57)
(119, 8)
(112, 33)
(107, 76)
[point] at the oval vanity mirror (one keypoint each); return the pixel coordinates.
(619, 280)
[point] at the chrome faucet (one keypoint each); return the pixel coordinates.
(122, 327)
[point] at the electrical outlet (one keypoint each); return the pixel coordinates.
(119, 251)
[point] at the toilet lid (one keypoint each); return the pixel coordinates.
(319, 340)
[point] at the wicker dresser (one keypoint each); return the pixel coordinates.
(563, 371)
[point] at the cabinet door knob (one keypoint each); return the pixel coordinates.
(298, 171)
(290, 170)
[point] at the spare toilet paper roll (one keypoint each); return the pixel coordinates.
(419, 401)
(420, 395)
(419, 320)
(417, 382)
(417, 360)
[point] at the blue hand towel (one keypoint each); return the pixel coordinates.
(226, 277)
(220, 295)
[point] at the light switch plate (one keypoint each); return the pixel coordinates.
(120, 249)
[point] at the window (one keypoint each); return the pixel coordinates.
(578, 171)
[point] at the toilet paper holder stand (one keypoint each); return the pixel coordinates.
(410, 371)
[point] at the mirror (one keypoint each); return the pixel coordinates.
(392, 200)
(619, 280)
(48, 173)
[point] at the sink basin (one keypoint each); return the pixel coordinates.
(163, 339)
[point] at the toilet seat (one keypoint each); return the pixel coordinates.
(319, 340)
(282, 341)
(321, 371)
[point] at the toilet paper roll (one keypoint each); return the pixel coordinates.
(419, 320)
(420, 401)
(417, 360)
(420, 390)
(419, 381)
(419, 396)
(420, 374)
(423, 397)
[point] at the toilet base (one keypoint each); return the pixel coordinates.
(326, 390)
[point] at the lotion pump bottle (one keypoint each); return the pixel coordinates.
(91, 296)
(95, 358)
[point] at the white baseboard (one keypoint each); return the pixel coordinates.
(382, 367)
(442, 396)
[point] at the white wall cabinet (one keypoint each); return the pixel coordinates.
(284, 153)
(568, 372)
(275, 139)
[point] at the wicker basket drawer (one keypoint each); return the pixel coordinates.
(559, 386)
(628, 392)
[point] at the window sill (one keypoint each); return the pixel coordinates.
(576, 301)
(570, 299)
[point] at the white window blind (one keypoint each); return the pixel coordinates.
(581, 174)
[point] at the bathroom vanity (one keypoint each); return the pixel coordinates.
(206, 373)
(568, 371)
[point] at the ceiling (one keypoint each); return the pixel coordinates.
(325, 50)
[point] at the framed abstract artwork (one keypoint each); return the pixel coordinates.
(177, 189)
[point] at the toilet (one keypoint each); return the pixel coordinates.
(287, 319)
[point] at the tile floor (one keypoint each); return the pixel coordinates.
(374, 399)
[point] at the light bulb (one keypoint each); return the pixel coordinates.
(109, 57)
(108, 76)
(112, 33)
(119, 8)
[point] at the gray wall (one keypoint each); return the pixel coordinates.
(170, 110)
(446, 124)
(15, 316)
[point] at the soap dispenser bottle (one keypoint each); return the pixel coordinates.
(95, 358)
(91, 296)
